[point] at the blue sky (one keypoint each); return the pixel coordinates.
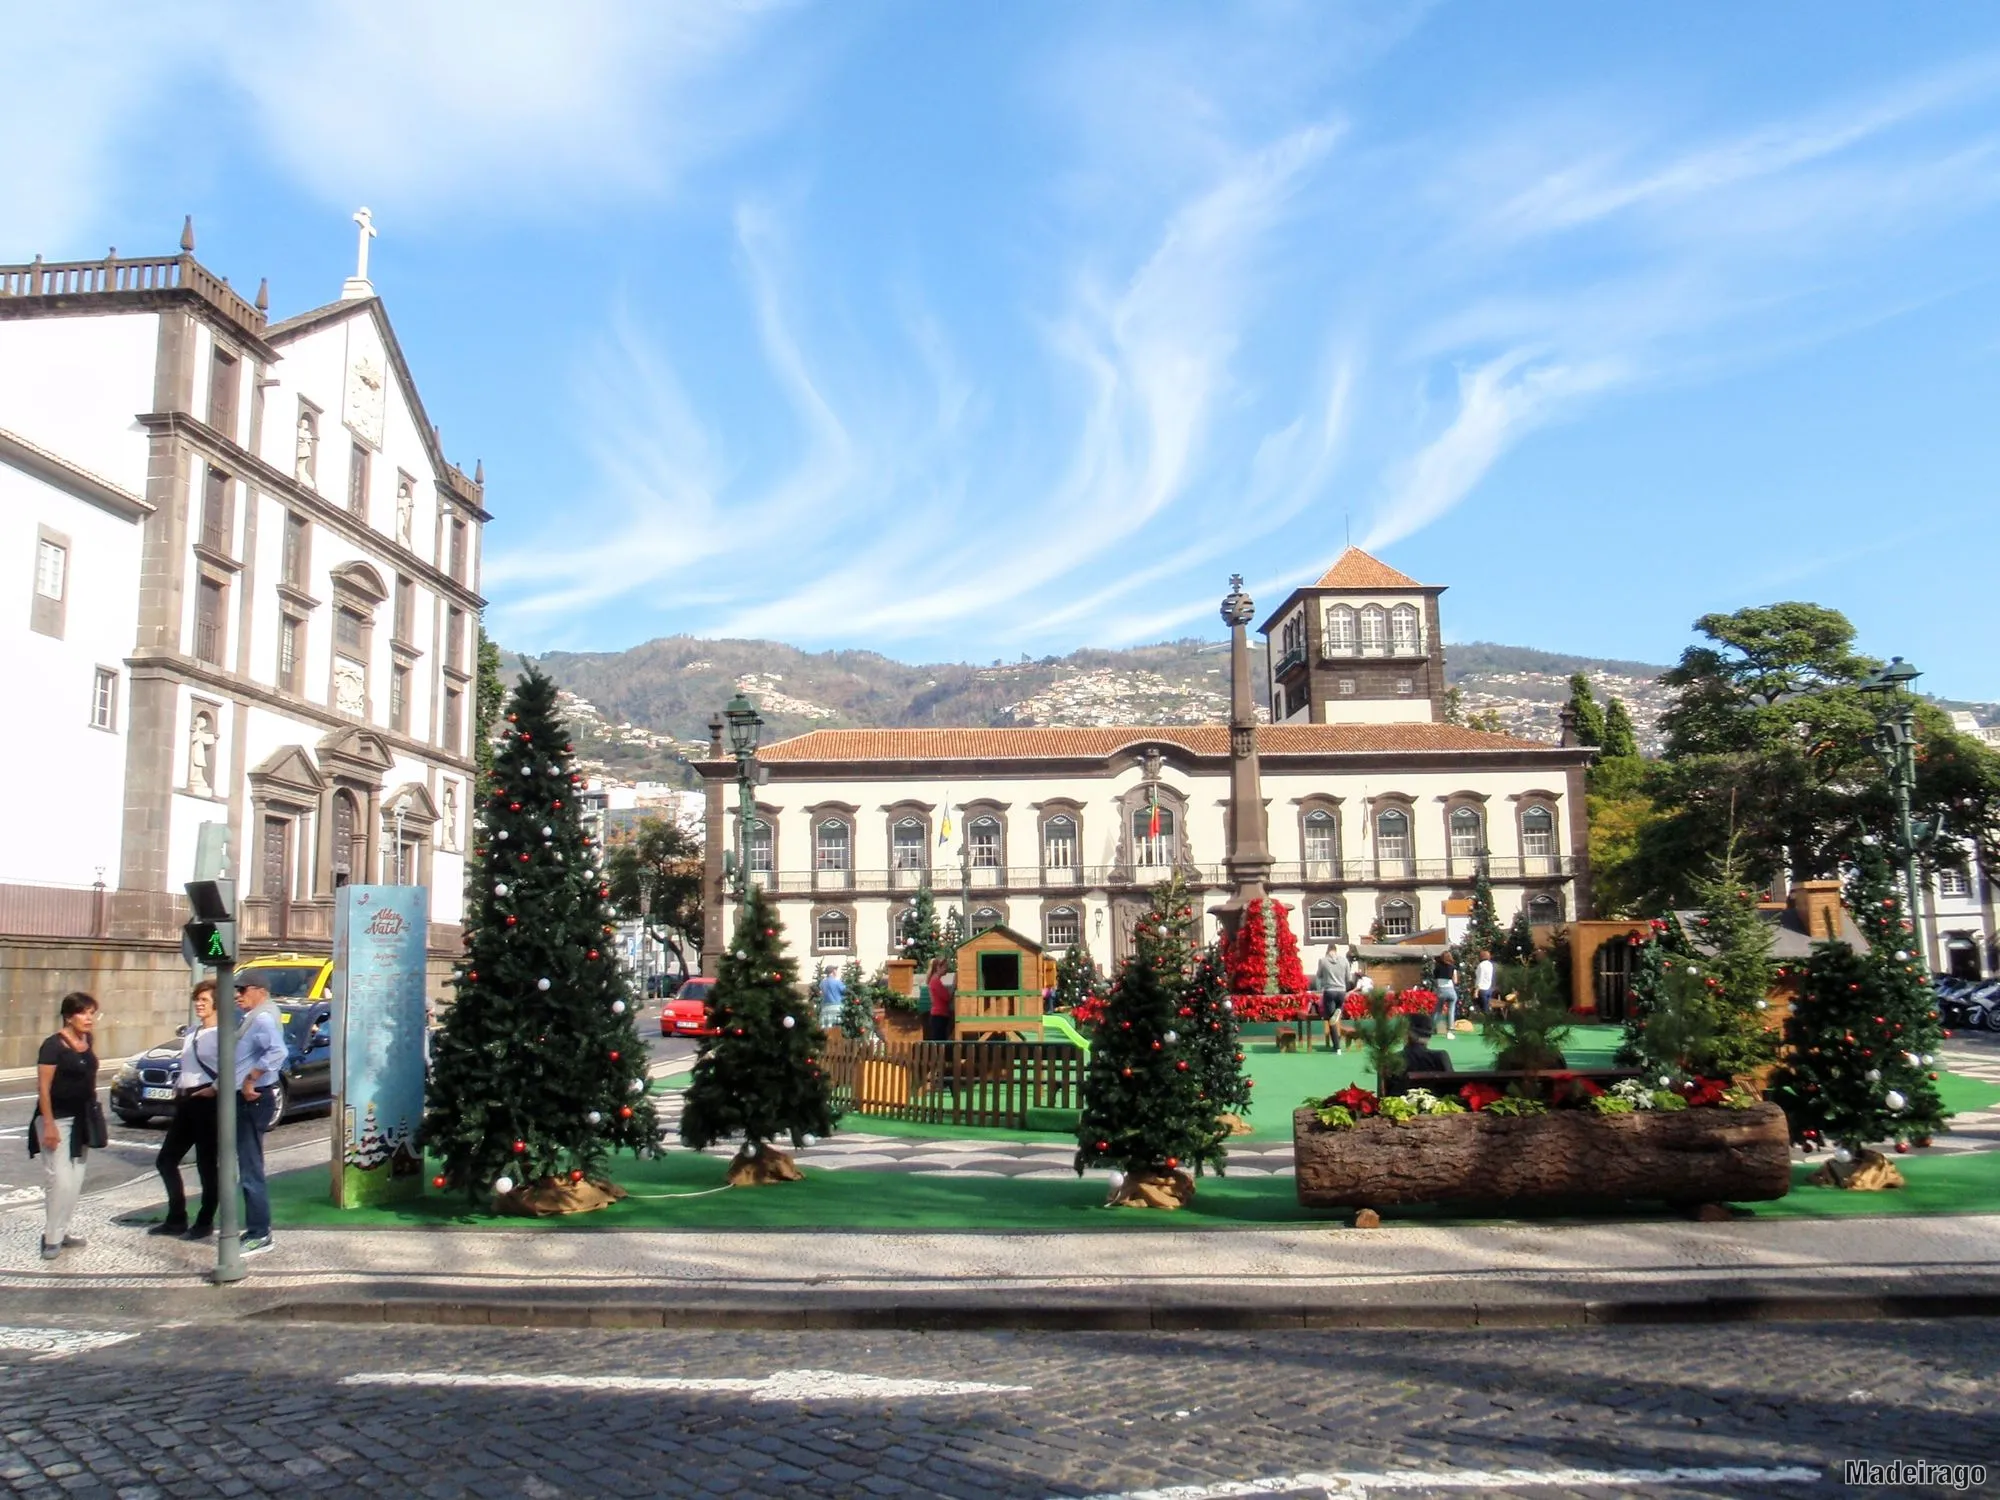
(968, 330)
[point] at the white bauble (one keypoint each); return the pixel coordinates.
(1665, 1081)
(1229, 1005)
(1763, 1005)
(1869, 838)
(788, 1023)
(503, 1185)
(1117, 1179)
(593, 1118)
(617, 1007)
(1902, 956)
(500, 888)
(1913, 1060)
(739, 955)
(1171, 1037)
(1926, 1059)
(1894, 1100)
(559, 857)
(541, 984)
(548, 832)
(638, 1086)
(808, 1139)
(1873, 1075)
(501, 835)
(1842, 1154)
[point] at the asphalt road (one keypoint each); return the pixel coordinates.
(133, 1147)
(249, 1408)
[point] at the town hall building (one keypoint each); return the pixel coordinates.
(245, 593)
(1377, 811)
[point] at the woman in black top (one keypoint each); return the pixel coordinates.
(68, 1119)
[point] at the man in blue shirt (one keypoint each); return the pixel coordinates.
(832, 996)
(260, 1060)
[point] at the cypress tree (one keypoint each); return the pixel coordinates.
(1620, 739)
(1589, 718)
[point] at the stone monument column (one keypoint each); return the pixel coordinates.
(1249, 856)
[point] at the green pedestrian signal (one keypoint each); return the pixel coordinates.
(211, 937)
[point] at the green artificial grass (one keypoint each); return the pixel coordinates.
(679, 1192)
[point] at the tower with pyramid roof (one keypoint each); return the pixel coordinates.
(1360, 646)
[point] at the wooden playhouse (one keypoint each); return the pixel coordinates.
(1001, 978)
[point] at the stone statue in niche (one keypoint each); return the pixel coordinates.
(201, 754)
(306, 458)
(450, 815)
(406, 506)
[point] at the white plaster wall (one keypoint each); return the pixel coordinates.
(63, 821)
(75, 385)
(1415, 709)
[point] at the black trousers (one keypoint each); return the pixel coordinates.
(193, 1125)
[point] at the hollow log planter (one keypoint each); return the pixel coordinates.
(1684, 1156)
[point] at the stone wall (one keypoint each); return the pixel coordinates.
(142, 989)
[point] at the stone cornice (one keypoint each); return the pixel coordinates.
(274, 481)
(64, 475)
(171, 666)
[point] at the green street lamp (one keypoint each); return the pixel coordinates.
(744, 724)
(1896, 748)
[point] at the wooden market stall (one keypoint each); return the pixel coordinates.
(1001, 978)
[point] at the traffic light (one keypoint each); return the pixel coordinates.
(210, 938)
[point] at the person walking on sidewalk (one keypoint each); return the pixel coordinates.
(193, 1125)
(1330, 979)
(260, 1060)
(68, 1119)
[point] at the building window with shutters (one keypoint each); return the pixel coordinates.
(760, 847)
(1153, 837)
(1544, 910)
(357, 480)
(454, 721)
(209, 615)
(1953, 881)
(1374, 630)
(406, 612)
(297, 552)
(1060, 928)
(1322, 840)
(104, 700)
(1323, 924)
(1403, 635)
(454, 638)
(215, 512)
(1059, 843)
(984, 918)
(399, 698)
(224, 373)
(1398, 919)
(1538, 832)
(833, 933)
(1341, 634)
(832, 846)
(1467, 832)
(1392, 834)
(985, 841)
(909, 844)
(49, 602)
(291, 651)
(457, 553)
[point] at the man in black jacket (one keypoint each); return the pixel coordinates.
(1418, 1055)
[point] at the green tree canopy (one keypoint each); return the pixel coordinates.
(657, 876)
(1620, 741)
(1584, 712)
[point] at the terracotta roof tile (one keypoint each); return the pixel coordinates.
(1355, 569)
(1200, 739)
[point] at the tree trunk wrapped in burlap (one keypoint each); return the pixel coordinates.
(768, 1165)
(558, 1195)
(1681, 1156)
(1869, 1172)
(1152, 1190)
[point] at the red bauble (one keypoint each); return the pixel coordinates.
(1182, 1066)
(624, 1111)
(614, 1057)
(512, 920)
(558, 802)
(474, 975)
(437, 1182)
(525, 736)
(513, 807)
(524, 859)
(1126, 1071)
(520, 1147)
(1902, 1148)
(576, 1174)
(593, 953)
(1156, 1046)
(513, 718)
(1172, 1162)
(1104, 1145)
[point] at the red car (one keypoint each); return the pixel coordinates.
(687, 1013)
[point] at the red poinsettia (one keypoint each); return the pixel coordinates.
(1478, 1095)
(1704, 1092)
(1415, 1002)
(1088, 1011)
(1356, 1100)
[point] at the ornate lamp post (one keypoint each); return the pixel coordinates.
(744, 724)
(1896, 747)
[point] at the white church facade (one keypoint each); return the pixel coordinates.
(1377, 813)
(246, 592)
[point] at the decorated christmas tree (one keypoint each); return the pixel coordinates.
(538, 1072)
(857, 1002)
(1483, 933)
(1703, 1008)
(1077, 977)
(1143, 1110)
(1861, 1042)
(1210, 1013)
(1518, 946)
(923, 939)
(759, 1076)
(1265, 977)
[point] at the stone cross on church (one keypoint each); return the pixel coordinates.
(358, 285)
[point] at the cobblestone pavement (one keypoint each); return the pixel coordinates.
(247, 1408)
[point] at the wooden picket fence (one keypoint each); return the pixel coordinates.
(953, 1083)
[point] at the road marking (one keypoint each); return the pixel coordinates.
(1358, 1484)
(785, 1385)
(58, 1343)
